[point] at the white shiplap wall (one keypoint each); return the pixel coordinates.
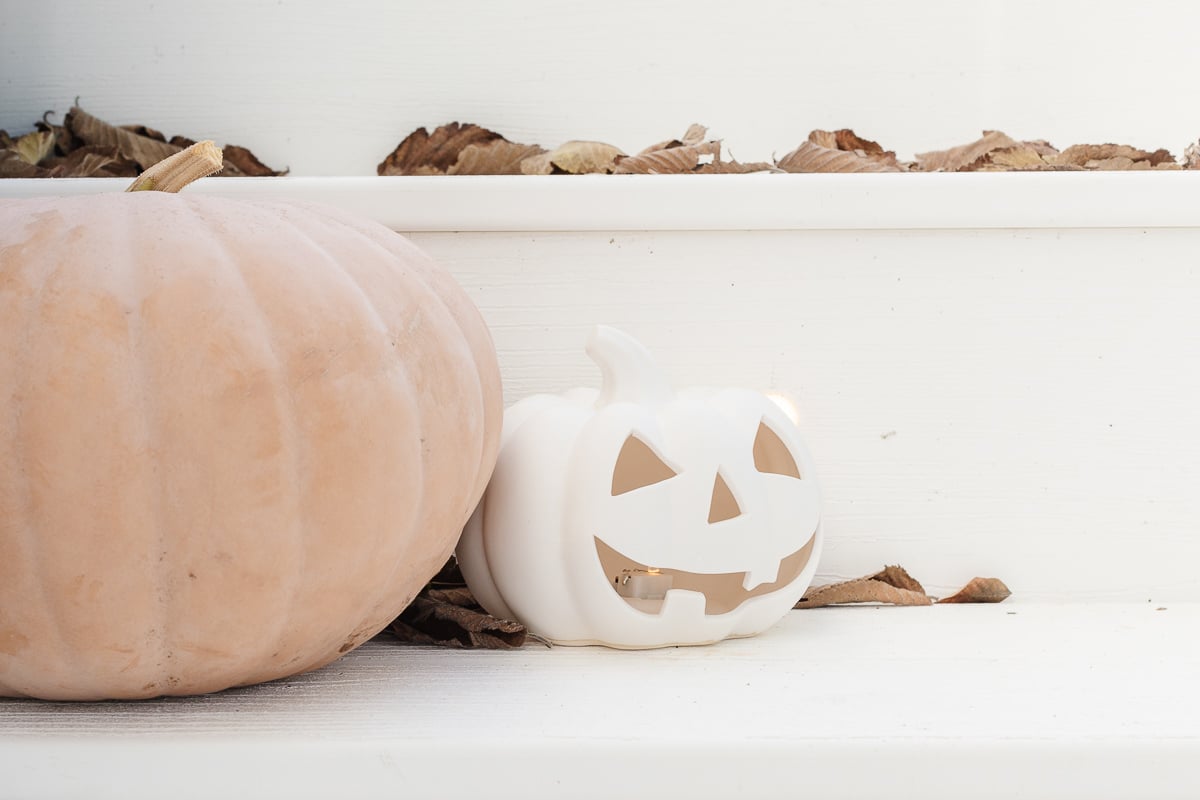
(330, 88)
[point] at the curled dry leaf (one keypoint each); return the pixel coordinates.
(452, 618)
(64, 140)
(695, 134)
(241, 162)
(895, 575)
(95, 161)
(862, 590)
(980, 590)
(142, 130)
(33, 148)
(809, 157)
(446, 614)
(1018, 157)
(957, 158)
(142, 150)
(497, 157)
(1115, 157)
(574, 158)
(735, 168)
(848, 140)
(673, 160)
(1191, 156)
(423, 152)
(894, 586)
(13, 166)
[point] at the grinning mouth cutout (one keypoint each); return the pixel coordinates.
(723, 591)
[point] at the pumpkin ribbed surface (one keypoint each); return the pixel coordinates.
(236, 439)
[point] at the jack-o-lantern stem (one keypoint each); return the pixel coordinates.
(629, 372)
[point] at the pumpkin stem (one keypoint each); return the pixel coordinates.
(629, 372)
(177, 171)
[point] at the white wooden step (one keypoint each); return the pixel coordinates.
(1012, 700)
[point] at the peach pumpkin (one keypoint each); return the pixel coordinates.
(237, 438)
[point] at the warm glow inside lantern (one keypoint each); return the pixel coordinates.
(636, 516)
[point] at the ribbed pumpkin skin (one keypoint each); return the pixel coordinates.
(235, 440)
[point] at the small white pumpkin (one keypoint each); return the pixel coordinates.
(638, 517)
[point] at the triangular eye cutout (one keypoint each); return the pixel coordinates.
(638, 466)
(772, 455)
(724, 505)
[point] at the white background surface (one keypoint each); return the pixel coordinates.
(331, 88)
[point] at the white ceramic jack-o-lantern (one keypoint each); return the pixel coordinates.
(638, 517)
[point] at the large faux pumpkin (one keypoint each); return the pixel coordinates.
(236, 439)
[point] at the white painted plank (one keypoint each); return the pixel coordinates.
(972, 201)
(1012, 403)
(1068, 701)
(331, 88)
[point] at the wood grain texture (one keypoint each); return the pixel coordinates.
(332, 88)
(1086, 700)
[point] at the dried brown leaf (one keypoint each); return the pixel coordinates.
(1020, 157)
(735, 168)
(64, 140)
(451, 618)
(142, 130)
(497, 157)
(241, 161)
(574, 158)
(695, 134)
(897, 576)
(95, 161)
(13, 166)
(438, 150)
(142, 150)
(862, 590)
(1091, 156)
(809, 157)
(956, 158)
(1191, 156)
(182, 142)
(1042, 148)
(673, 160)
(848, 140)
(33, 148)
(826, 139)
(980, 590)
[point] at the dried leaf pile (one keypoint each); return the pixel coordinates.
(467, 149)
(445, 614)
(84, 146)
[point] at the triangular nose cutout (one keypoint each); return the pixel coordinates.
(724, 505)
